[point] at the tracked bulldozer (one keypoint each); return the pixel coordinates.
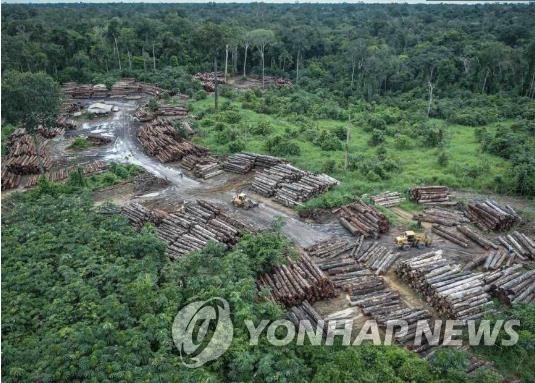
(242, 201)
(411, 239)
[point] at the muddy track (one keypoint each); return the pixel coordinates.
(126, 149)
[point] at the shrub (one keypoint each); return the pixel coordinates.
(401, 141)
(327, 141)
(230, 116)
(442, 159)
(236, 146)
(377, 137)
(329, 166)
(262, 128)
(280, 146)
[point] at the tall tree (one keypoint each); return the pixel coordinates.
(212, 38)
(31, 100)
(246, 43)
(261, 38)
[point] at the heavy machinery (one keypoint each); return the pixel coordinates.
(411, 239)
(242, 201)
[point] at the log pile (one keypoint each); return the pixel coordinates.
(293, 193)
(97, 139)
(122, 88)
(376, 257)
(512, 285)
(9, 180)
(143, 114)
(440, 216)
(362, 219)
(336, 257)
(329, 248)
(190, 228)
(519, 245)
(497, 258)
(477, 237)
(450, 235)
(430, 194)
(287, 184)
(296, 282)
(266, 182)
(137, 214)
(378, 301)
(61, 174)
(488, 215)
(388, 199)
(245, 162)
(304, 312)
(23, 158)
(50, 132)
(172, 111)
(208, 80)
(146, 182)
(160, 139)
(277, 81)
(203, 167)
(453, 292)
(66, 123)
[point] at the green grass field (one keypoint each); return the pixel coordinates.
(467, 166)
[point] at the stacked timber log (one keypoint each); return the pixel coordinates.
(304, 312)
(519, 245)
(137, 214)
(430, 194)
(266, 182)
(376, 257)
(94, 167)
(143, 114)
(450, 235)
(122, 88)
(208, 80)
(336, 257)
(477, 237)
(512, 285)
(160, 139)
(97, 139)
(330, 248)
(50, 132)
(9, 180)
(489, 215)
(388, 199)
(441, 216)
(378, 301)
(190, 228)
(23, 158)
(66, 123)
(146, 182)
(172, 111)
(296, 282)
(362, 219)
(453, 292)
(293, 193)
(245, 162)
(495, 259)
(278, 81)
(203, 167)
(240, 163)
(61, 174)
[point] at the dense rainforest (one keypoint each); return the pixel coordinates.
(433, 93)
(383, 97)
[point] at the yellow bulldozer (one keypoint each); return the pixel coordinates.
(411, 239)
(242, 201)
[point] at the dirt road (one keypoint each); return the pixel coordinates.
(125, 148)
